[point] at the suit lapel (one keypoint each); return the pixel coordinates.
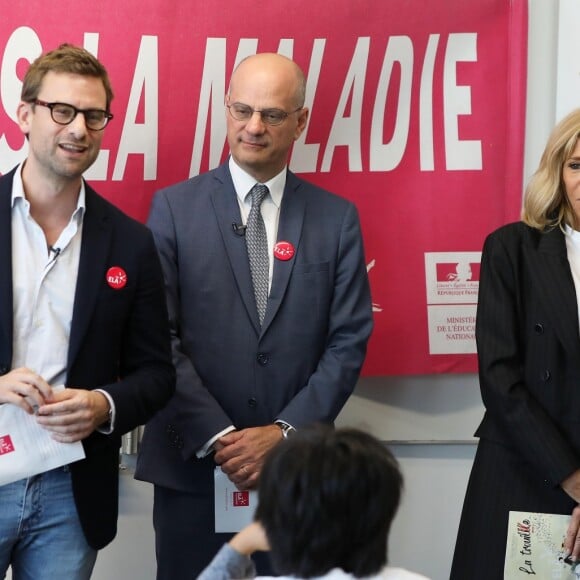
(289, 230)
(95, 246)
(553, 278)
(6, 306)
(227, 212)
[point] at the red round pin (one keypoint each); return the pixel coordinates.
(116, 277)
(283, 251)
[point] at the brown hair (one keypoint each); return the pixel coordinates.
(67, 58)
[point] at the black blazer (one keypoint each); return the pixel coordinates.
(529, 349)
(119, 342)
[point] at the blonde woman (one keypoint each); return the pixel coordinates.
(528, 343)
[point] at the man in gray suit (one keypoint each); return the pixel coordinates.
(249, 373)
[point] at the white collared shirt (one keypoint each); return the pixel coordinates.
(573, 251)
(44, 287)
(270, 208)
(44, 284)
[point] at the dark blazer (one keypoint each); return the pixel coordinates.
(529, 370)
(528, 345)
(119, 342)
(301, 366)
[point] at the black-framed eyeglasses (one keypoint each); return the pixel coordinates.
(241, 112)
(65, 114)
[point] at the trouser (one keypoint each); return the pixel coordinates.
(185, 541)
(40, 532)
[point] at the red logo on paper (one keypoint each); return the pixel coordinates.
(116, 277)
(283, 251)
(241, 498)
(6, 445)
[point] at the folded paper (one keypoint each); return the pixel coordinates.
(27, 449)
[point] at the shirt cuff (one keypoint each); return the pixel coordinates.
(208, 447)
(108, 427)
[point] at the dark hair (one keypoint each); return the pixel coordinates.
(67, 58)
(326, 500)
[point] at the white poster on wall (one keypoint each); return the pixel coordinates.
(568, 68)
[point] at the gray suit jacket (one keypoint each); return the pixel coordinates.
(301, 366)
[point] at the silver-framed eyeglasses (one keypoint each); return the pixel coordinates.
(65, 114)
(241, 112)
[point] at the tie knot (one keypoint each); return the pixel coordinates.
(258, 193)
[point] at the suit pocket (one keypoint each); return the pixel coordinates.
(308, 296)
(300, 269)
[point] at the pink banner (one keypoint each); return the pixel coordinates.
(417, 116)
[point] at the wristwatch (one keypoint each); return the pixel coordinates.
(286, 429)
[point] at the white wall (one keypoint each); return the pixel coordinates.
(441, 412)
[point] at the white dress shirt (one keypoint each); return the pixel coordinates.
(270, 208)
(573, 250)
(228, 564)
(43, 285)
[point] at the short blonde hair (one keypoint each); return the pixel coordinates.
(546, 204)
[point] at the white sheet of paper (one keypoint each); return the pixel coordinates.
(535, 547)
(234, 509)
(27, 449)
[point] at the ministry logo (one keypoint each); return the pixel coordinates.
(451, 285)
(452, 277)
(457, 272)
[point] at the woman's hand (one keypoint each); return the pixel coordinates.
(571, 485)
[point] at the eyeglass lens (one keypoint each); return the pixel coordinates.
(242, 112)
(64, 114)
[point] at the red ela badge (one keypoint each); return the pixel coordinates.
(116, 277)
(241, 498)
(283, 251)
(6, 445)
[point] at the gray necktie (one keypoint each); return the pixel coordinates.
(257, 244)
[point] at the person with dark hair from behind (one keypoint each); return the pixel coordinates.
(327, 499)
